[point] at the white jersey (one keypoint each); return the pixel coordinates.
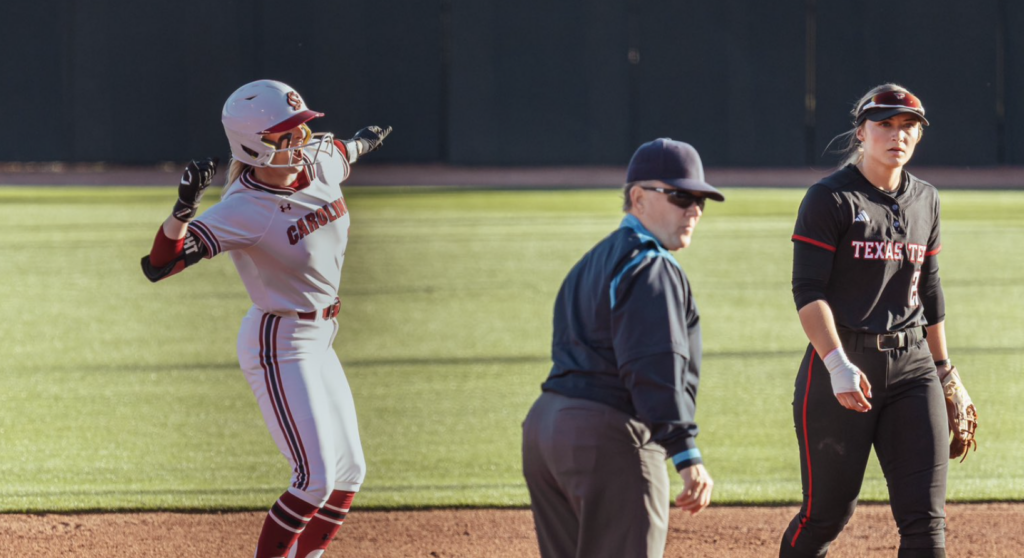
(288, 245)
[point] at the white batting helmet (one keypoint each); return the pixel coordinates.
(266, 107)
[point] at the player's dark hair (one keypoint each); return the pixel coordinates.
(849, 149)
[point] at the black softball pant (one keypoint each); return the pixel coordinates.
(908, 429)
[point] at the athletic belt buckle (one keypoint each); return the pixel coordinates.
(332, 311)
(890, 341)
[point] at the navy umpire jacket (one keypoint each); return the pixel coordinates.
(627, 334)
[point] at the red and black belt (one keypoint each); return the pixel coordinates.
(326, 314)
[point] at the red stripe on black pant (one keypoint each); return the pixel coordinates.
(907, 429)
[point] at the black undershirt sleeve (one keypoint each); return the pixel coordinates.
(931, 291)
(815, 237)
(930, 288)
(812, 267)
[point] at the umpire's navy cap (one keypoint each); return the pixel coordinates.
(673, 162)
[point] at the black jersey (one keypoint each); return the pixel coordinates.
(870, 254)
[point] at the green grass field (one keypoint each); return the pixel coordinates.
(119, 394)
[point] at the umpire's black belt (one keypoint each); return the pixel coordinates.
(858, 341)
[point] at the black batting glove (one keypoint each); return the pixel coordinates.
(194, 181)
(370, 138)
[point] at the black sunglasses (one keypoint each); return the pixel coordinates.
(678, 197)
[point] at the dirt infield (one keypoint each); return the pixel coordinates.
(975, 530)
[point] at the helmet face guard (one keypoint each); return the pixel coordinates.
(322, 142)
(267, 107)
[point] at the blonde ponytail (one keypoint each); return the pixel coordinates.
(234, 171)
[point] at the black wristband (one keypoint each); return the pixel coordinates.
(943, 362)
(184, 212)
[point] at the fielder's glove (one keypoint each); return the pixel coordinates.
(370, 138)
(963, 417)
(195, 180)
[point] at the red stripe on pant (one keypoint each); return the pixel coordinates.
(807, 450)
(272, 379)
(303, 482)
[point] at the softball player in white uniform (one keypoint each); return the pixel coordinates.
(283, 219)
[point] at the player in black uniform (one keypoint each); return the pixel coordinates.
(866, 284)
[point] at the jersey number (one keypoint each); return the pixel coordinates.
(915, 300)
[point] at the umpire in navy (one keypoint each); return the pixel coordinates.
(621, 395)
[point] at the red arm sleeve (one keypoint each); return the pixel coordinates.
(165, 249)
(341, 145)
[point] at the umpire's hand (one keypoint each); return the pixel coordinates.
(697, 485)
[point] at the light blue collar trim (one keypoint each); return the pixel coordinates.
(630, 221)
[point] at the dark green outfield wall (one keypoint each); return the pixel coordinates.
(483, 82)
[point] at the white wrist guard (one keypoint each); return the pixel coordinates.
(845, 376)
(352, 147)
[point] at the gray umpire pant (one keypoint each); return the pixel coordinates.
(598, 484)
